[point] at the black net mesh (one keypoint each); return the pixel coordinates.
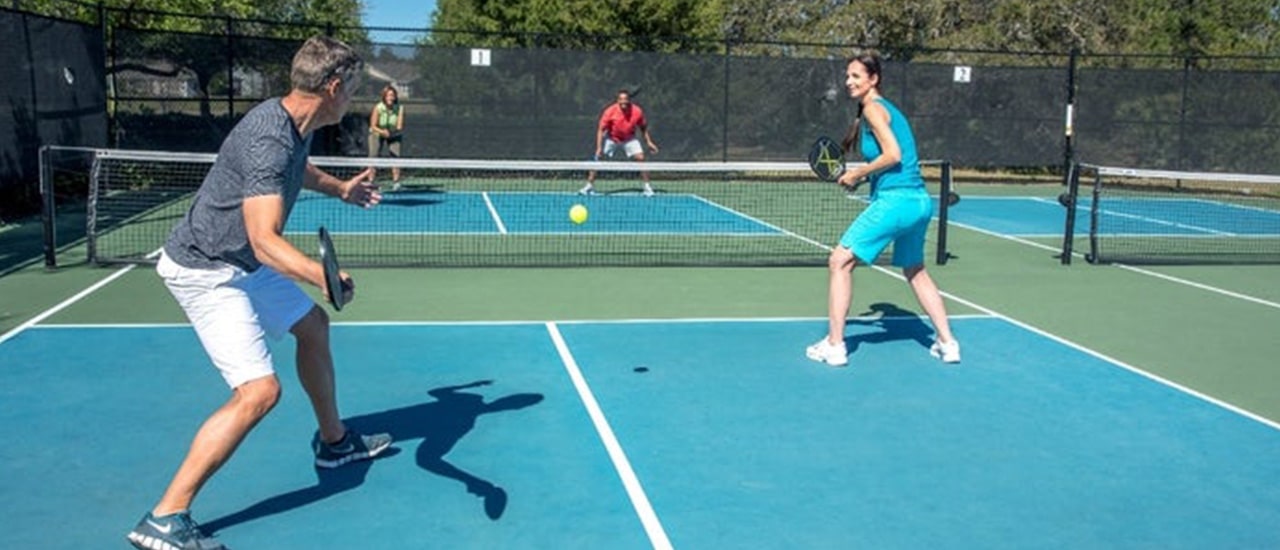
(492, 213)
(1148, 216)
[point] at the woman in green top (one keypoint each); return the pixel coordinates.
(386, 124)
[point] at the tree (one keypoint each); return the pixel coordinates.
(625, 24)
(165, 37)
(1191, 27)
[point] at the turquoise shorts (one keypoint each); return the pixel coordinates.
(898, 216)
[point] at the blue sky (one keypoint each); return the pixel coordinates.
(413, 14)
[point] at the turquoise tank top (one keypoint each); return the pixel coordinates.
(906, 174)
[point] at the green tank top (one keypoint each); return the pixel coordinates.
(387, 116)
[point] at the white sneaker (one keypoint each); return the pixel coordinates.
(588, 189)
(825, 352)
(948, 353)
(648, 191)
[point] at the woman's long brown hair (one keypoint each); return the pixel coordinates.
(871, 61)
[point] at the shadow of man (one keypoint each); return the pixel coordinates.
(441, 424)
(895, 324)
(458, 413)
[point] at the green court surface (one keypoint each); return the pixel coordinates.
(1098, 340)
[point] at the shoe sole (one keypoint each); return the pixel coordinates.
(939, 357)
(827, 362)
(148, 542)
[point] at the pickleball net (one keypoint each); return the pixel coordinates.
(1141, 216)
(510, 213)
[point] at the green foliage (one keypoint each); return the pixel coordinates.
(1200, 27)
(625, 24)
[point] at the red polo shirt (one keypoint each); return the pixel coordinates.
(622, 125)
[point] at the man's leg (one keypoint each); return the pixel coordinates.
(315, 372)
(636, 152)
(335, 445)
(217, 439)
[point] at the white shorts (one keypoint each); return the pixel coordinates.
(631, 147)
(233, 310)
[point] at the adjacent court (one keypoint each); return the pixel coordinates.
(437, 212)
(702, 433)
(1186, 217)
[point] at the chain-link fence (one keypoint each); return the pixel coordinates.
(538, 98)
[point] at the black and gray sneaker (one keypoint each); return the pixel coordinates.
(172, 532)
(353, 447)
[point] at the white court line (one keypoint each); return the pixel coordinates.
(1100, 355)
(649, 518)
(493, 212)
(1127, 267)
(526, 322)
(754, 219)
(890, 273)
(1179, 387)
(1200, 286)
(66, 303)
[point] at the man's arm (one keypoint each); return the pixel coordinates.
(602, 128)
(359, 190)
(648, 138)
(642, 124)
(264, 223)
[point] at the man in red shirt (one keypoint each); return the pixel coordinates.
(619, 124)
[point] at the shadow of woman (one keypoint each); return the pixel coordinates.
(895, 324)
(441, 424)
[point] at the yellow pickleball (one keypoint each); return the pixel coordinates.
(578, 213)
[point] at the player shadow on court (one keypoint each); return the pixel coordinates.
(392, 201)
(627, 191)
(418, 195)
(895, 324)
(440, 424)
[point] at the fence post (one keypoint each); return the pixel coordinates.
(1068, 157)
(1188, 61)
(231, 70)
(724, 122)
(1068, 143)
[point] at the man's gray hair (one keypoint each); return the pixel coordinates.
(322, 59)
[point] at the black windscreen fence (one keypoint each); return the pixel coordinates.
(705, 102)
(52, 85)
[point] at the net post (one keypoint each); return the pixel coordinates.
(91, 211)
(944, 205)
(1093, 218)
(1068, 200)
(48, 209)
(1068, 142)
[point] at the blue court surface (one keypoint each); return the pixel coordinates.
(1044, 217)
(644, 434)
(426, 212)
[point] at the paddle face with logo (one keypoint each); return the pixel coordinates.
(335, 287)
(826, 159)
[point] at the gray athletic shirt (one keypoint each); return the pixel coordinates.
(263, 155)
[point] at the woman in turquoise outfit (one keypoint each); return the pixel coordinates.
(899, 213)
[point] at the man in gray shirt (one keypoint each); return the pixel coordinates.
(230, 268)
